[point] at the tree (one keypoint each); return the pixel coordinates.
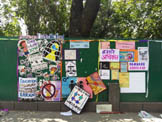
(82, 17)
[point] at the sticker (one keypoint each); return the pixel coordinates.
(32, 46)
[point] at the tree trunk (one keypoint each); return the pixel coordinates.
(82, 19)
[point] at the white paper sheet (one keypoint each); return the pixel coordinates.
(137, 83)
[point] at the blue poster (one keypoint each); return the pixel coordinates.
(68, 84)
(81, 44)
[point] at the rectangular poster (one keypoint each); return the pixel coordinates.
(104, 45)
(143, 54)
(137, 66)
(41, 59)
(137, 83)
(82, 82)
(77, 99)
(70, 67)
(27, 88)
(68, 84)
(125, 45)
(128, 55)
(79, 44)
(115, 74)
(124, 79)
(104, 65)
(70, 54)
(110, 55)
(96, 83)
(123, 66)
(51, 90)
(104, 74)
(114, 65)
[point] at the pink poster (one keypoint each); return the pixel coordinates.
(125, 45)
(104, 45)
(82, 81)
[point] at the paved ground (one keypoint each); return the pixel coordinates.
(27, 116)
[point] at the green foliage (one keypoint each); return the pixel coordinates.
(120, 19)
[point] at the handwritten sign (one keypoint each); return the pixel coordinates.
(125, 45)
(137, 66)
(111, 55)
(27, 88)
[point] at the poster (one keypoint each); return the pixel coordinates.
(114, 74)
(104, 74)
(52, 51)
(34, 63)
(71, 69)
(51, 90)
(79, 44)
(110, 55)
(83, 82)
(96, 83)
(104, 65)
(137, 83)
(123, 66)
(77, 99)
(126, 56)
(125, 44)
(70, 54)
(124, 79)
(27, 88)
(143, 54)
(114, 65)
(104, 45)
(137, 66)
(68, 84)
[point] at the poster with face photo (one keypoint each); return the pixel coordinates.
(71, 69)
(143, 54)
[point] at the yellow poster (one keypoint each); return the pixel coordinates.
(124, 79)
(114, 65)
(115, 74)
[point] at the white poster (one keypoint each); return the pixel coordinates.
(69, 54)
(110, 55)
(143, 54)
(77, 99)
(70, 67)
(137, 66)
(104, 74)
(137, 83)
(27, 88)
